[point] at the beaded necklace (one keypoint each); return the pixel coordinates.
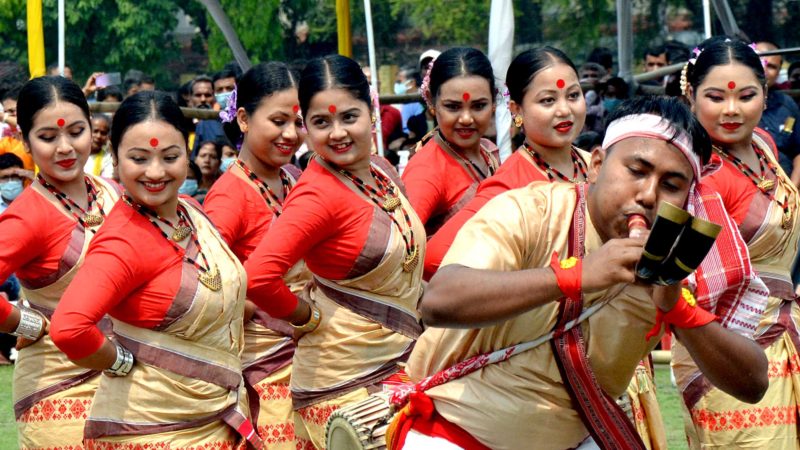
(83, 216)
(579, 166)
(473, 168)
(386, 198)
(764, 185)
(206, 273)
(267, 193)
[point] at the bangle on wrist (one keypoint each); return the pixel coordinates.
(313, 321)
(31, 324)
(568, 276)
(685, 314)
(123, 364)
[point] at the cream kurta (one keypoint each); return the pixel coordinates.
(512, 404)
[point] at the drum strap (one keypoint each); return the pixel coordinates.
(606, 421)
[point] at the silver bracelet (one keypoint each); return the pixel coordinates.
(31, 324)
(123, 364)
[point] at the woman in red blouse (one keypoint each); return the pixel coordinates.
(175, 293)
(442, 176)
(348, 218)
(243, 204)
(549, 108)
(46, 232)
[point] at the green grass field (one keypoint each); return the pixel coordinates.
(667, 398)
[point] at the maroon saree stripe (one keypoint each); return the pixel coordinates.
(26, 403)
(375, 246)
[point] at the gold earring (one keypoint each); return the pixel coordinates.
(244, 128)
(518, 121)
(373, 119)
(433, 111)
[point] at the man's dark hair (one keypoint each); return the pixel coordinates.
(8, 160)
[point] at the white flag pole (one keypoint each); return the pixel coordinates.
(501, 47)
(373, 68)
(61, 58)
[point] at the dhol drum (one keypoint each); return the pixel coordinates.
(361, 426)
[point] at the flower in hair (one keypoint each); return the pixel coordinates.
(229, 113)
(425, 88)
(755, 49)
(696, 52)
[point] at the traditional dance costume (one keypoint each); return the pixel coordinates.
(366, 263)
(440, 181)
(44, 243)
(766, 210)
(522, 168)
(243, 208)
(556, 395)
(180, 313)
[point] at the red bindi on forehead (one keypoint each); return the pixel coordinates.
(731, 85)
(296, 108)
(332, 109)
(560, 84)
(61, 123)
(465, 96)
(154, 142)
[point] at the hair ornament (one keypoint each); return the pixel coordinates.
(763, 59)
(425, 88)
(229, 113)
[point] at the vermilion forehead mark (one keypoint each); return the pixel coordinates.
(332, 109)
(731, 85)
(61, 123)
(465, 96)
(560, 84)
(154, 142)
(296, 108)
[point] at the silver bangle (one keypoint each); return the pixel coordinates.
(123, 364)
(31, 324)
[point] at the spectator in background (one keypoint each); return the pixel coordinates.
(425, 59)
(147, 84)
(603, 56)
(9, 102)
(12, 179)
(224, 83)
(616, 90)
(109, 94)
(655, 57)
(209, 156)
(100, 162)
(202, 92)
(191, 184)
(679, 23)
(780, 116)
(229, 154)
(391, 121)
(52, 69)
(408, 82)
(592, 73)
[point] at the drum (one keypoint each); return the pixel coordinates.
(360, 426)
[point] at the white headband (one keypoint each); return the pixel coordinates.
(656, 127)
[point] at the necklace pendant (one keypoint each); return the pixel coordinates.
(180, 233)
(766, 185)
(92, 220)
(211, 278)
(391, 203)
(411, 260)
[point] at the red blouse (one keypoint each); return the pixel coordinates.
(130, 272)
(516, 172)
(324, 222)
(34, 238)
(240, 214)
(435, 182)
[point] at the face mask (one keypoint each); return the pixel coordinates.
(400, 88)
(11, 189)
(222, 99)
(189, 187)
(610, 103)
(226, 164)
